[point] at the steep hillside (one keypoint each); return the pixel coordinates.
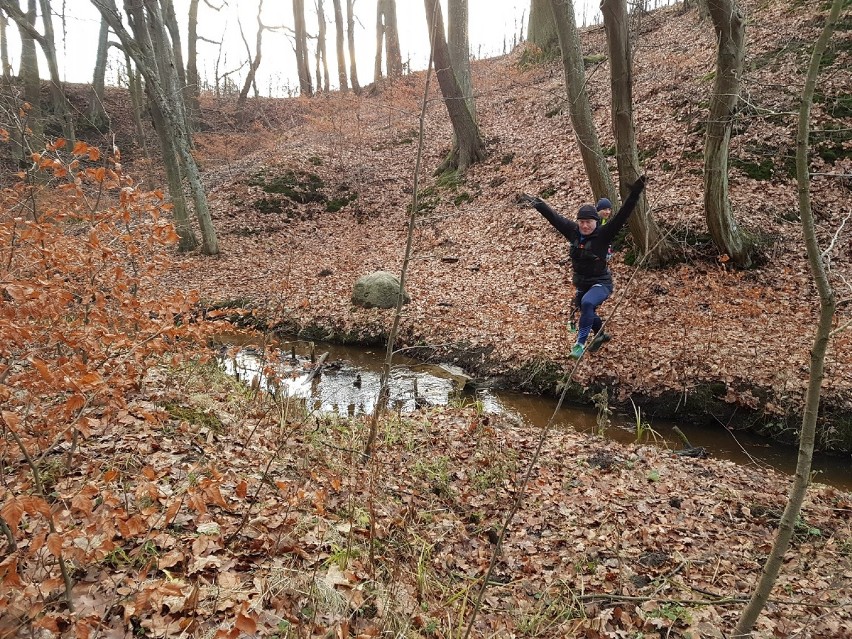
(490, 280)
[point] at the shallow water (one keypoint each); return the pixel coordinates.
(349, 383)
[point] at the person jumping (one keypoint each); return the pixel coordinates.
(590, 242)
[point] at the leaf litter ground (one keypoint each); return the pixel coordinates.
(269, 524)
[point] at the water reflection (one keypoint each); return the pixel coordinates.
(346, 389)
(348, 385)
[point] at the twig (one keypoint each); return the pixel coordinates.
(66, 576)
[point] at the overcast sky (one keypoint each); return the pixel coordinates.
(495, 27)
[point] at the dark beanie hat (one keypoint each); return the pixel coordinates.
(588, 212)
(603, 203)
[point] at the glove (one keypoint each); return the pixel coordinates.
(530, 199)
(639, 185)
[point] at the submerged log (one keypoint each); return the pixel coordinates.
(317, 368)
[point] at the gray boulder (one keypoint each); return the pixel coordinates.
(378, 290)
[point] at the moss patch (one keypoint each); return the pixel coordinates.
(299, 186)
(757, 170)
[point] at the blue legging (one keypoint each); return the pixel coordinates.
(588, 302)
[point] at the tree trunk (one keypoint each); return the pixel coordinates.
(541, 30)
(174, 177)
(26, 22)
(171, 23)
(322, 57)
(350, 31)
(97, 114)
(32, 91)
(459, 43)
(342, 78)
(578, 100)
(170, 153)
(141, 49)
(730, 33)
(645, 231)
(254, 63)
(4, 48)
(392, 50)
(193, 104)
(48, 45)
(380, 38)
(134, 84)
(468, 146)
(305, 87)
(823, 333)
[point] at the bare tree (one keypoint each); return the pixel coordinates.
(171, 22)
(301, 35)
(468, 146)
(29, 75)
(823, 334)
(26, 22)
(578, 100)
(161, 86)
(97, 113)
(4, 47)
(322, 58)
(459, 44)
(350, 32)
(193, 103)
(645, 231)
(380, 37)
(134, 85)
(387, 37)
(730, 34)
(340, 33)
(254, 63)
(541, 29)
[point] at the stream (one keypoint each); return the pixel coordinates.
(348, 385)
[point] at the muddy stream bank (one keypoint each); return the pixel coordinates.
(348, 383)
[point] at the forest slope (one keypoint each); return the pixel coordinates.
(490, 280)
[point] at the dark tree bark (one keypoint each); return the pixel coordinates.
(468, 146)
(48, 45)
(301, 32)
(32, 90)
(645, 231)
(96, 106)
(4, 47)
(340, 33)
(350, 32)
(730, 35)
(578, 100)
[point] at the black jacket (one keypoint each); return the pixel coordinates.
(589, 253)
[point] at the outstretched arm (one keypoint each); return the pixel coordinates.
(567, 227)
(613, 226)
